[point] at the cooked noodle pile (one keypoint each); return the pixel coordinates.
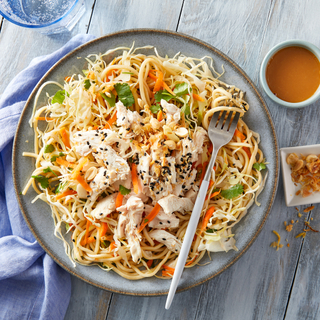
(121, 150)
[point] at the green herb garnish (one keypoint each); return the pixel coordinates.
(163, 95)
(146, 220)
(259, 166)
(67, 226)
(87, 84)
(59, 96)
(155, 108)
(60, 187)
(111, 100)
(49, 170)
(124, 93)
(232, 192)
(123, 190)
(181, 89)
(44, 182)
(127, 73)
(48, 148)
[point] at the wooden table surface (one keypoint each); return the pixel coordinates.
(264, 283)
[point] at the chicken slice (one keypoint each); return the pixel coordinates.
(173, 203)
(198, 139)
(117, 167)
(143, 171)
(86, 142)
(162, 220)
(171, 110)
(105, 207)
(125, 117)
(169, 240)
(133, 211)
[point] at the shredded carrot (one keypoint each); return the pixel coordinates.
(83, 183)
(65, 137)
(204, 168)
(149, 263)
(65, 193)
(91, 239)
(165, 86)
(166, 273)
(206, 218)
(112, 246)
(84, 242)
(242, 137)
(160, 115)
(210, 184)
(119, 200)
(215, 194)
(168, 269)
(109, 73)
(191, 261)
(43, 118)
(103, 229)
(78, 168)
(111, 121)
(65, 163)
(197, 97)
(134, 176)
(159, 82)
(210, 148)
(153, 213)
(67, 79)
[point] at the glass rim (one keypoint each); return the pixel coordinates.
(37, 26)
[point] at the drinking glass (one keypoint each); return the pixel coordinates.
(46, 16)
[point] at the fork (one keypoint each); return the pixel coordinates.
(220, 132)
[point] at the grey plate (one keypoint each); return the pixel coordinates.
(38, 215)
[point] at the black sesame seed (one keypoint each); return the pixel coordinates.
(160, 222)
(73, 240)
(123, 118)
(164, 239)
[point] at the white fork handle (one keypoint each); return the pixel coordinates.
(187, 241)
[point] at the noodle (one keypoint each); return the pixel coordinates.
(145, 112)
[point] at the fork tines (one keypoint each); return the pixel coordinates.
(227, 117)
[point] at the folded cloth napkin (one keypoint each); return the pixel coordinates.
(32, 285)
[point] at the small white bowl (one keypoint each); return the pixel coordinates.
(289, 188)
(290, 43)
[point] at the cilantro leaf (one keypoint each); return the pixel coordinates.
(87, 84)
(67, 226)
(54, 158)
(155, 108)
(123, 190)
(232, 192)
(61, 154)
(59, 96)
(49, 170)
(163, 94)
(259, 166)
(124, 93)
(186, 109)
(181, 89)
(111, 100)
(48, 148)
(42, 180)
(60, 187)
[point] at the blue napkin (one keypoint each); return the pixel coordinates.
(32, 285)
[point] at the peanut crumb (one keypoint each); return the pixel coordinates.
(297, 221)
(302, 234)
(285, 223)
(296, 208)
(311, 218)
(288, 245)
(292, 221)
(299, 215)
(308, 209)
(289, 227)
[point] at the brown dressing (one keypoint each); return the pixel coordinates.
(293, 74)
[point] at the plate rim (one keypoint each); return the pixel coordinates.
(209, 47)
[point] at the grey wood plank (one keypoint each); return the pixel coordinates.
(304, 299)
(112, 16)
(87, 302)
(246, 33)
(18, 46)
